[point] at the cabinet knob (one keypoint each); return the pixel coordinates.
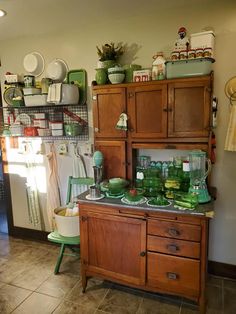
(131, 130)
(172, 247)
(173, 232)
(131, 95)
(96, 130)
(143, 253)
(165, 109)
(172, 276)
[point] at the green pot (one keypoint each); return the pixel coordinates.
(129, 69)
(101, 76)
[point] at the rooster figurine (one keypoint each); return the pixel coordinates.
(182, 43)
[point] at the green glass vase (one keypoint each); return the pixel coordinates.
(101, 76)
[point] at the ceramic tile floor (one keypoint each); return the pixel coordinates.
(28, 286)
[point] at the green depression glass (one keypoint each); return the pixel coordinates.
(101, 76)
(134, 195)
(186, 200)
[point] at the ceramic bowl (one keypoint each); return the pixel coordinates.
(116, 78)
(115, 70)
(34, 63)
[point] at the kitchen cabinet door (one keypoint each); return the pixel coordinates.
(147, 111)
(114, 153)
(113, 247)
(189, 108)
(108, 104)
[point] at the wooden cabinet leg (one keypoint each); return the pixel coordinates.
(84, 283)
(202, 305)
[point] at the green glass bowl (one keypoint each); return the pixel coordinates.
(114, 186)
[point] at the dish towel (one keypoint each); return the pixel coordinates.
(230, 142)
(53, 193)
(54, 93)
(122, 123)
(78, 171)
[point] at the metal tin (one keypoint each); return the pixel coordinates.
(175, 55)
(191, 54)
(199, 52)
(207, 52)
(183, 54)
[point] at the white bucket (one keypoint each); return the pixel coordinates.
(67, 226)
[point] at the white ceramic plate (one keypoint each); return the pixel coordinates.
(34, 63)
(57, 70)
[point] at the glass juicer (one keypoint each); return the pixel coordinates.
(198, 175)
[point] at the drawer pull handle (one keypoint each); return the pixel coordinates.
(143, 253)
(172, 248)
(173, 232)
(172, 276)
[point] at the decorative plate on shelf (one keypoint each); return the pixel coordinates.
(10, 93)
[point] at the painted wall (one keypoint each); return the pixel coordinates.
(145, 33)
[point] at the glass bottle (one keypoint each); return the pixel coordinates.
(185, 182)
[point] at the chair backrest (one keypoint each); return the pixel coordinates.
(83, 184)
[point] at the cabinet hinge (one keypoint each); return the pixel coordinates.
(94, 97)
(208, 89)
(83, 218)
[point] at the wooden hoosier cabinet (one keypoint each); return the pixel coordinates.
(149, 248)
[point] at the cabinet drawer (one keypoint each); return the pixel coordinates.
(174, 230)
(173, 246)
(174, 274)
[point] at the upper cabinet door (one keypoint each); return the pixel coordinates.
(189, 108)
(147, 111)
(108, 104)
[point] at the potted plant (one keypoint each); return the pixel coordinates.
(109, 54)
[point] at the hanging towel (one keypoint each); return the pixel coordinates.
(34, 211)
(78, 171)
(54, 93)
(122, 123)
(230, 142)
(53, 193)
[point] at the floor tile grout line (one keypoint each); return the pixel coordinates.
(22, 301)
(180, 308)
(102, 299)
(141, 302)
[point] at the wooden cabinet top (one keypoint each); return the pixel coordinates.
(115, 206)
(156, 82)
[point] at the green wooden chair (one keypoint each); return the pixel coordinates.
(69, 242)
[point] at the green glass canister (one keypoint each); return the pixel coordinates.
(101, 76)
